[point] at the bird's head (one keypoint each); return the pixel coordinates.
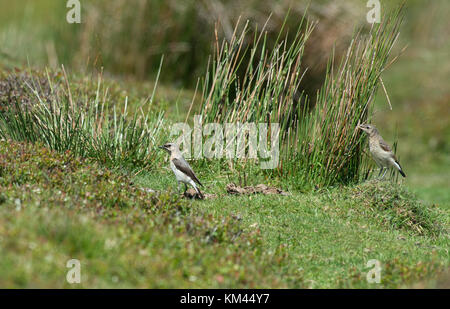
(169, 147)
(368, 128)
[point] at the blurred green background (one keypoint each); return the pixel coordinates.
(128, 38)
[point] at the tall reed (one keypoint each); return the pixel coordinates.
(85, 126)
(319, 147)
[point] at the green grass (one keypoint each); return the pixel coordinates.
(56, 207)
(330, 235)
(40, 107)
(93, 206)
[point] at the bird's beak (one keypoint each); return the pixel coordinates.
(161, 147)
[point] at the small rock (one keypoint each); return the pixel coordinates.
(261, 188)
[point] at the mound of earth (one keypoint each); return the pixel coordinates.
(261, 188)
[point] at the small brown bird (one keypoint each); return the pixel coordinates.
(182, 170)
(380, 150)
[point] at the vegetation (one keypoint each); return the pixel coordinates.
(55, 207)
(184, 32)
(60, 207)
(319, 147)
(81, 177)
(87, 126)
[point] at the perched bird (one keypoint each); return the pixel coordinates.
(380, 150)
(182, 170)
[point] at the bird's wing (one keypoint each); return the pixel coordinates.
(183, 166)
(385, 146)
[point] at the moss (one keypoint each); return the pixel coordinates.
(65, 207)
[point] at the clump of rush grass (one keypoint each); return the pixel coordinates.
(329, 147)
(87, 126)
(271, 77)
(318, 147)
(269, 90)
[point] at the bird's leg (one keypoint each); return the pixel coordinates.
(199, 193)
(385, 171)
(178, 183)
(185, 188)
(197, 190)
(381, 171)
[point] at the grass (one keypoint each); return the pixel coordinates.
(41, 108)
(61, 207)
(329, 235)
(127, 237)
(91, 202)
(319, 147)
(56, 207)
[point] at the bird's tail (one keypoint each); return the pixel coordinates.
(397, 165)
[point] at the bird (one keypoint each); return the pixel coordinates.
(381, 151)
(181, 168)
